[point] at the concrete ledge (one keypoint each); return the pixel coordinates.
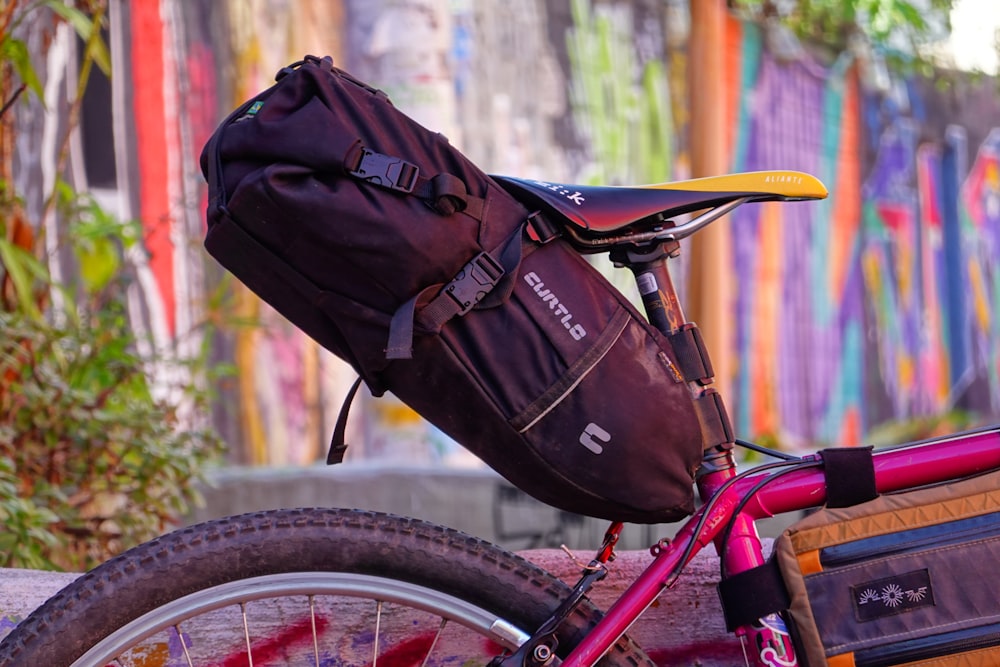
(683, 627)
(474, 500)
(22, 591)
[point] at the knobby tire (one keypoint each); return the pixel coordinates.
(287, 550)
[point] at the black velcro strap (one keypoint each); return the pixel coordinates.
(692, 355)
(337, 444)
(541, 229)
(850, 476)
(752, 595)
(715, 425)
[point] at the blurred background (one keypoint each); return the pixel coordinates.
(870, 317)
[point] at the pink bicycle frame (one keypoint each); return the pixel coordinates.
(734, 507)
(931, 462)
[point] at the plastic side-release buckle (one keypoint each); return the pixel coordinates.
(474, 282)
(387, 171)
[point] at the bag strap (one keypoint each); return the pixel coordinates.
(753, 594)
(478, 279)
(849, 473)
(338, 444)
(446, 193)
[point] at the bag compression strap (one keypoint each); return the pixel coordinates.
(338, 444)
(446, 193)
(476, 280)
(753, 594)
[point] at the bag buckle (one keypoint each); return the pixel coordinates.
(385, 170)
(474, 281)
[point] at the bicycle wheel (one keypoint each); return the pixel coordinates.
(301, 587)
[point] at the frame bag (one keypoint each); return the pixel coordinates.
(389, 248)
(906, 579)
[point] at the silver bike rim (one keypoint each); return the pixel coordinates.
(302, 584)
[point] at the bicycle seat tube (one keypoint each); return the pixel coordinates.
(768, 639)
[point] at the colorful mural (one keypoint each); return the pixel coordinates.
(875, 306)
(857, 312)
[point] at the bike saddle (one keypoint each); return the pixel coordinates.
(601, 209)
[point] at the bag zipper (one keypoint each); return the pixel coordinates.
(908, 541)
(926, 648)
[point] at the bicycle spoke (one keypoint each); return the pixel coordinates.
(378, 626)
(390, 622)
(430, 649)
(312, 620)
(184, 648)
(246, 633)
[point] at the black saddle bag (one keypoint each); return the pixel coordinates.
(387, 246)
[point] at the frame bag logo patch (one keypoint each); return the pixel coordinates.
(388, 247)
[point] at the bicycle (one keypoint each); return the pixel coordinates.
(333, 586)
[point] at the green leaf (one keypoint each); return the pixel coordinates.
(22, 267)
(16, 52)
(88, 29)
(99, 263)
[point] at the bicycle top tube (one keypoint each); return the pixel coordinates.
(900, 468)
(606, 209)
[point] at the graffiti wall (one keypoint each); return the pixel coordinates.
(798, 316)
(876, 306)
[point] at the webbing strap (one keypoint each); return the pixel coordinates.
(850, 476)
(753, 594)
(338, 444)
(717, 430)
(479, 278)
(692, 356)
(446, 193)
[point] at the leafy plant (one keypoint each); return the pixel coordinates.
(90, 462)
(900, 29)
(92, 459)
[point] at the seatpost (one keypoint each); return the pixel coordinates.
(656, 287)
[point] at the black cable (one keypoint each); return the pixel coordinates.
(767, 452)
(793, 466)
(710, 504)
